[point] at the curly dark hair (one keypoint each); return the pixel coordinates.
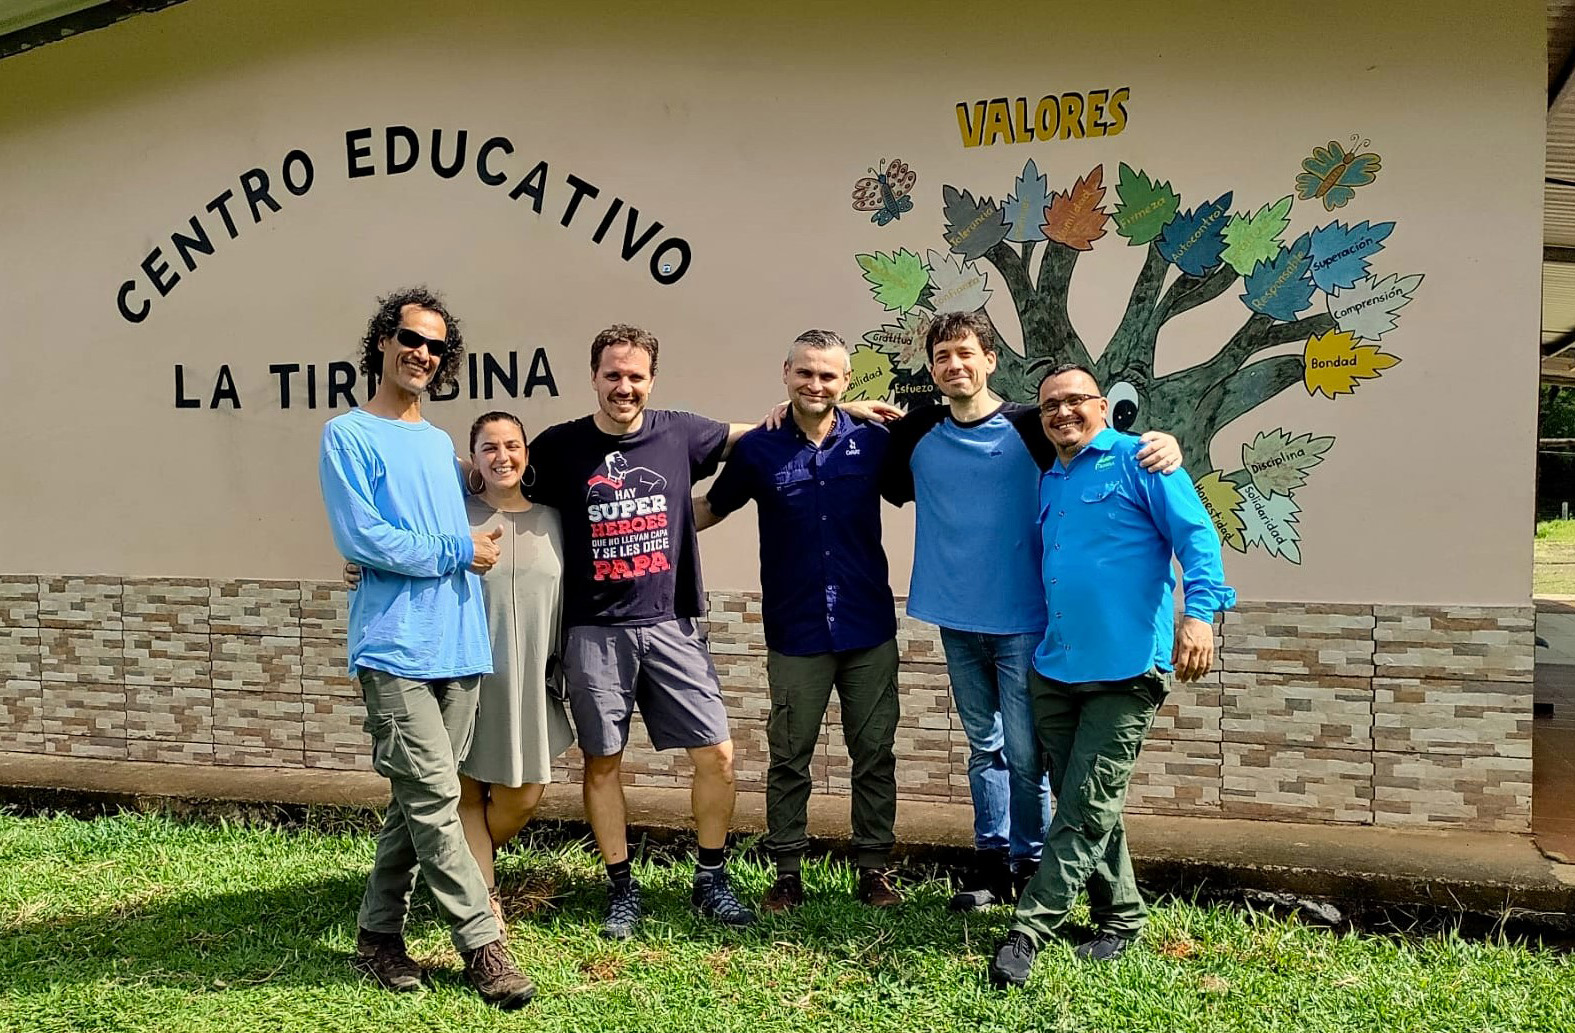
(386, 320)
(950, 326)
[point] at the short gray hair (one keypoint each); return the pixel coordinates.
(820, 340)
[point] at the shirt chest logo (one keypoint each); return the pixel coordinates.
(853, 448)
(1105, 461)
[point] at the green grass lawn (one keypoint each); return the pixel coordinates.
(140, 923)
(1554, 552)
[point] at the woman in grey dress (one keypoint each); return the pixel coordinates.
(520, 722)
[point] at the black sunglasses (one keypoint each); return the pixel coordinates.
(408, 338)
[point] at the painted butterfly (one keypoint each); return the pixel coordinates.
(885, 192)
(1333, 174)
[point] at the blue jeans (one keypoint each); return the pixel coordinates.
(1006, 775)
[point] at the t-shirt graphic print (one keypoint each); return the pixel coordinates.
(627, 507)
(629, 550)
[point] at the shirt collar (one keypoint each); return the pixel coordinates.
(841, 425)
(1104, 441)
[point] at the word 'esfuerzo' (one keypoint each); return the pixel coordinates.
(335, 384)
(264, 193)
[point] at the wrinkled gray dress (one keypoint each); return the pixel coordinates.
(519, 727)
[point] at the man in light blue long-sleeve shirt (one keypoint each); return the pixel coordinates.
(1109, 531)
(418, 640)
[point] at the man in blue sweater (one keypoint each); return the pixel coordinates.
(417, 639)
(1109, 529)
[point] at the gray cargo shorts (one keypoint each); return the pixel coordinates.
(663, 669)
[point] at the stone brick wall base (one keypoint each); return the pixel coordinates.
(1347, 713)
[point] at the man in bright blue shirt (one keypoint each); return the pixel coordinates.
(1109, 530)
(418, 640)
(829, 616)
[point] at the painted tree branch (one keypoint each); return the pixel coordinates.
(1252, 385)
(1188, 292)
(1047, 330)
(1131, 347)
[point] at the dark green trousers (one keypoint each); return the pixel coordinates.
(1091, 733)
(866, 683)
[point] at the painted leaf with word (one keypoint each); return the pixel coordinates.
(871, 375)
(1250, 239)
(1144, 208)
(1335, 363)
(904, 341)
(1280, 288)
(1371, 308)
(956, 286)
(1025, 208)
(896, 279)
(972, 226)
(1075, 218)
(1222, 501)
(1278, 463)
(1269, 522)
(1331, 174)
(1340, 252)
(1194, 240)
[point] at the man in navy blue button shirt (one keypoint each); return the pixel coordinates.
(830, 620)
(1109, 529)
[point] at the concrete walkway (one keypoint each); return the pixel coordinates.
(1491, 873)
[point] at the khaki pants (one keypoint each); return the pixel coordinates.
(1091, 733)
(420, 730)
(866, 682)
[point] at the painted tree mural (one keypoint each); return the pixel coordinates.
(1316, 291)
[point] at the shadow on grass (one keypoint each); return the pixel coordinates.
(299, 933)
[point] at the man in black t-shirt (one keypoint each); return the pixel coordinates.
(622, 478)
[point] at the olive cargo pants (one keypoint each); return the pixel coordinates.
(1091, 733)
(420, 731)
(866, 682)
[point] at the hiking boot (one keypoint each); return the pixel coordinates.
(785, 894)
(1014, 959)
(382, 956)
(1104, 947)
(876, 890)
(1023, 873)
(496, 903)
(496, 978)
(713, 897)
(988, 881)
(623, 910)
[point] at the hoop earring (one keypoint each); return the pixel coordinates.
(532, 482)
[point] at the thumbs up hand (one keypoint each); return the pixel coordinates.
(486, 549)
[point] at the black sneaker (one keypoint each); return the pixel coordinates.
(1104, 947)
(988, 881)
(785, 894)
(623, 910)
(383, 957)
(496, 978)
(1014, 959)
(713, 897)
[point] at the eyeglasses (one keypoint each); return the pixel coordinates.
(408, 338)
(1051, 406)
